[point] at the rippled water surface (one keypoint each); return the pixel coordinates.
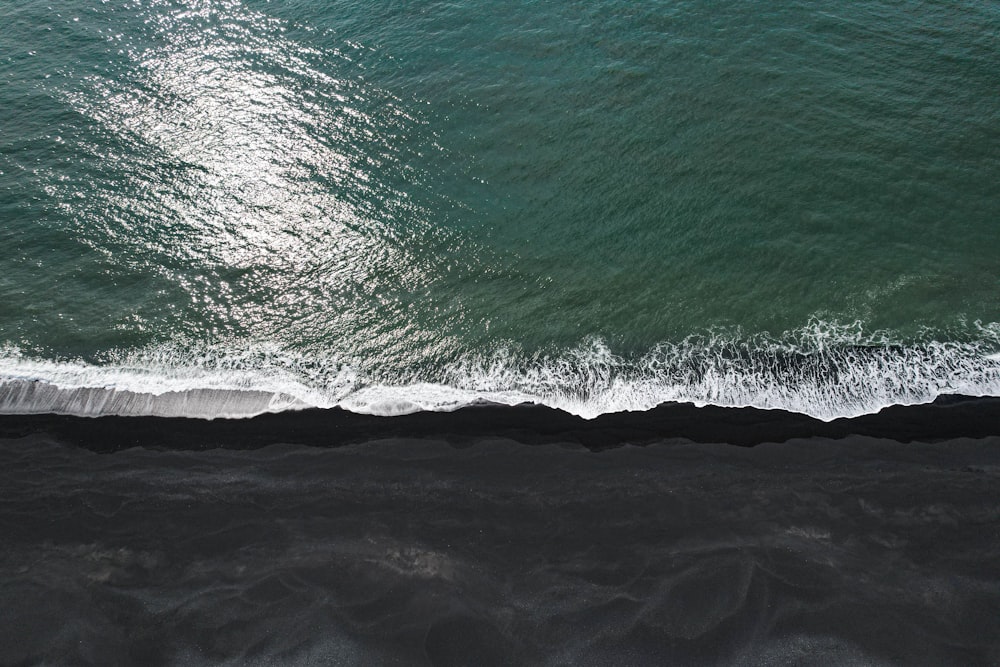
(598, 206)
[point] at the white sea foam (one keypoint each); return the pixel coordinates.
(822, 370)
(172, 381)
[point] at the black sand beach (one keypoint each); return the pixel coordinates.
(504, 536)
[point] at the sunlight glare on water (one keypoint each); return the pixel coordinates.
(272, 180)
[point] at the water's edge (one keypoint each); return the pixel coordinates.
(947, 418)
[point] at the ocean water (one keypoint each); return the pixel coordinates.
(225, 207)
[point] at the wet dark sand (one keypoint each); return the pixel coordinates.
(947, 418)
(503, 536)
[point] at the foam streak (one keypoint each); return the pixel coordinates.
(822, 371)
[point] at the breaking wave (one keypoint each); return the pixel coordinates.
(823, 370)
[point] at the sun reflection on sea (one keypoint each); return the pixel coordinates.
(266, 171)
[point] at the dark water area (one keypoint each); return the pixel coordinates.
(503, 536)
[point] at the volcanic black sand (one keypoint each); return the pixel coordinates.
(503, 536)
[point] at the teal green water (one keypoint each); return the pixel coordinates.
(597, 205)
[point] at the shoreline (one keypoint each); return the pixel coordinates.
(946, 418)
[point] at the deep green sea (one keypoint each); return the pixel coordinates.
(223, 207)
